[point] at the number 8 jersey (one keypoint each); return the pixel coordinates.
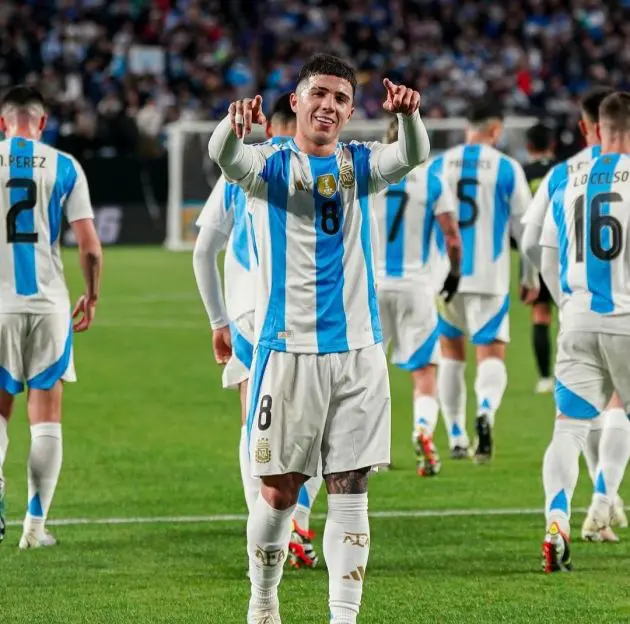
(491, 193)
(589, 224)
(38, 185)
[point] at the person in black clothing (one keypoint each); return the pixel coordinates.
(540, 148)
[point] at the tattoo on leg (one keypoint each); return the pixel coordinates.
(351, 482)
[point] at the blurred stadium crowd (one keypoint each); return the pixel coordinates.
(116, 71)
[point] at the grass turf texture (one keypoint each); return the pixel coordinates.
(148, 432)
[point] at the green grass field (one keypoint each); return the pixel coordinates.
(149, 433)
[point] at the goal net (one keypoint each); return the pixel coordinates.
(192, 174)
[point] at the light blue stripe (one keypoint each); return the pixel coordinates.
(488, 333)
(596, 150)
(8, 383)
(262, 358)
(434, 192)
(572, 405)
(600, 484)
(559, 174)
(35, 507)
(503, 192)
(560, 502)
(395, 249)
(240, 239)
(23, 253)
(252, 233)
(361, 160)
(447, 330)
(470, 162)
(557, 207)
(422, 357)
(243, 348)
(598, 271)
(276, 173)
(50, 376)
(330, 317)
(64, 185)
(303, 498)
(437, 167)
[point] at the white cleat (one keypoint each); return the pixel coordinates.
(264, 616)
(32, 540)
(545, 385)
(596, 527)
(619, 518)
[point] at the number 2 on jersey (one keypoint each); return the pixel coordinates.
(597, 225)
(400, 213)
(464, 198)
(13, 236)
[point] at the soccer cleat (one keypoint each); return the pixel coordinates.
(460, 452)
(596, 527)
(301, 551)
(427, 458)
(483, 450)
(545, 385)
(619, 518)
(264, 616)
(556, 552)
(32, 540)
(3, 522)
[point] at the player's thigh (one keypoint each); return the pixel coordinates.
(13, 330)
(615, 350)
(488, 319)
(48, 356)
(358, 427)
(287, 403)
(416, 345)
(387, 314)
(237, 369)
(583, 383)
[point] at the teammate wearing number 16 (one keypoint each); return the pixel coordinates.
(492, 195)
(319, 383)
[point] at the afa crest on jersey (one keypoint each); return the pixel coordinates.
(326, 185)
(346, 176)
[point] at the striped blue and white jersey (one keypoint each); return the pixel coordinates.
(405, 215)
(491, 192)
(315, 281)
(589, 223)
(537, 210)
(38, 185)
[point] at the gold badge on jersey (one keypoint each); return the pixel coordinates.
(326, 185)
(346, 176)
(263, 451)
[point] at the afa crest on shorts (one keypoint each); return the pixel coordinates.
(262, 454)
(326, 185)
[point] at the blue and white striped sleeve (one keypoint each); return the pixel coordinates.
(71, 177)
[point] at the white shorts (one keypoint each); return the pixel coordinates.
(484, 318)
(589, 366)
(237, 369)
(303, 406)
(35, 349)
(410, 325)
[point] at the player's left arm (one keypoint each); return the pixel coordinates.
(550, 261)
(390, 163)
(445, 215)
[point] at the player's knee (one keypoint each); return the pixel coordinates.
(495, 349)
(281, 491)
(6, 404)
(453, 348)
(424, 381)
(45, 405)
(350, 482)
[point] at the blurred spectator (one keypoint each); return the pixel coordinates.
(115, 71)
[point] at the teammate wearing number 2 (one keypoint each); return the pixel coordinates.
(319, 384)
(492, 194)
(406, 214)
(38, 186)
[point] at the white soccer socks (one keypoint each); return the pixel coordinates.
(561, 469)
(490, 385)
(306, 499)
(268, 533)
(346, 549)
(591, 448)
(425, 414)
(452, 393)
(614, 454)
(4, 442)
(44, 466)
(251, 485)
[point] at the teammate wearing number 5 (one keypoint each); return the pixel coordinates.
(319, 384)
(406, 215)
(38, 186)
(492, 195)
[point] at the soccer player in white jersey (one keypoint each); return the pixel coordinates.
(319, 385)
(225, 223)
(585, 263)
(614, 416)
(492, 195)
(38, 185)
(406, 215)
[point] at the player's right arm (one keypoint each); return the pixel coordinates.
(550, 262)
(78, 209)
(533, 220)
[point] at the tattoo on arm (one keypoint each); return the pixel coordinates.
(351, 482)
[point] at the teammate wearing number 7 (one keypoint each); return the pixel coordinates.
(492, 195)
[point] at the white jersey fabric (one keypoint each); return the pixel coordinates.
(589, 224)
(315, 283)
(405, 216)
(38, 185)
(491, 192)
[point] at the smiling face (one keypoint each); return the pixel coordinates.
(323, 105)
